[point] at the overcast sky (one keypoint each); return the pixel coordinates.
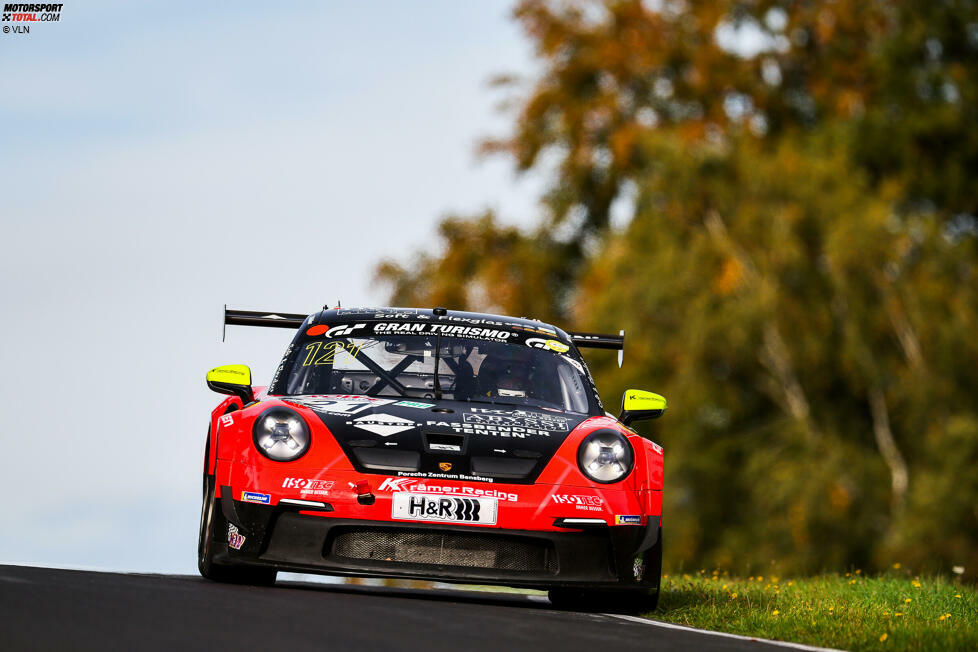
(160, 160)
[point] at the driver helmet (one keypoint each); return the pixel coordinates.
(499, 376)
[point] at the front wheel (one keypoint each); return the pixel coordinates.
(206, 543)
(624, 601)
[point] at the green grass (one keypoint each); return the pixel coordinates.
(890, 612)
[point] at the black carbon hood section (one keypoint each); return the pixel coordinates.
(488, 442)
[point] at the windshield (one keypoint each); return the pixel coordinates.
(468, 370)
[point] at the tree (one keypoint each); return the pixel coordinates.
(798, 274)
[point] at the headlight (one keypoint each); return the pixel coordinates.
(605, 456)
(280, 434)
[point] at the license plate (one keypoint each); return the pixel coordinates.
(453, 509)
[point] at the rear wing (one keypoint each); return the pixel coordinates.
(256, 318)
(294, 320)
(599, 341)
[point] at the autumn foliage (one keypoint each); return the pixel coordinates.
(777, 201)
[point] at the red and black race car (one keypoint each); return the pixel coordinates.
(433, 444)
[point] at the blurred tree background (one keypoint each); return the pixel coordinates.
(777, 201)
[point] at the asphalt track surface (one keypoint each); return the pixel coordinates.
(52, 609)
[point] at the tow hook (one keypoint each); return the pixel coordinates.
(364, 497)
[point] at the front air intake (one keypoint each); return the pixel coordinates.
(460, 549)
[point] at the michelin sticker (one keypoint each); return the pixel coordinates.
(255, 497)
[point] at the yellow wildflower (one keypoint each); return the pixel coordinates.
(916, 584)
(898, 613)
(775, 612)
(723, 588)
(896, 565)
(852, 581)
(957, 595)
(858, 571)
(790, 583)
(847, 574)
(733, 596)
(760, 578)
(883, 637)
(942, 617)
(947, 615)
(908, 600)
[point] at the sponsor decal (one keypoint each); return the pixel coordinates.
(226, 420)
(308, 485)
(414, 404)
(381, 313)
(337, 403)
(490, 429)
(574, 363)
(235, 538)
(384, 425)
(444, 476)
(551, 345)
(395, 485)
(521, 418)
(476, 320)
(445, 466)
(628, 519)
(638, 567)
(579, 501)
(408, 328)
(425, 507)
(540, 330)
(342, 330)
(255, 497)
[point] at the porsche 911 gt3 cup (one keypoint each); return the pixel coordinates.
(433, 444)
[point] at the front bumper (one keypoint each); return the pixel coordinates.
(290, 538)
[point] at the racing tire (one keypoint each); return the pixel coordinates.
(622, 601)
(210, 518)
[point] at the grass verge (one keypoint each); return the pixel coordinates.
(889, 612)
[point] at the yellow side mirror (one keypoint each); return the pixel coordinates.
(233, 379)
(638, 404)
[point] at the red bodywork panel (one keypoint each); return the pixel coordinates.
(560, 491)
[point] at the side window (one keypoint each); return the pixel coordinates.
(572, 388)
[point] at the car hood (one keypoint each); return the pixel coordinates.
(488, 442)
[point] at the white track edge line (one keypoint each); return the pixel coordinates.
(659, 623)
